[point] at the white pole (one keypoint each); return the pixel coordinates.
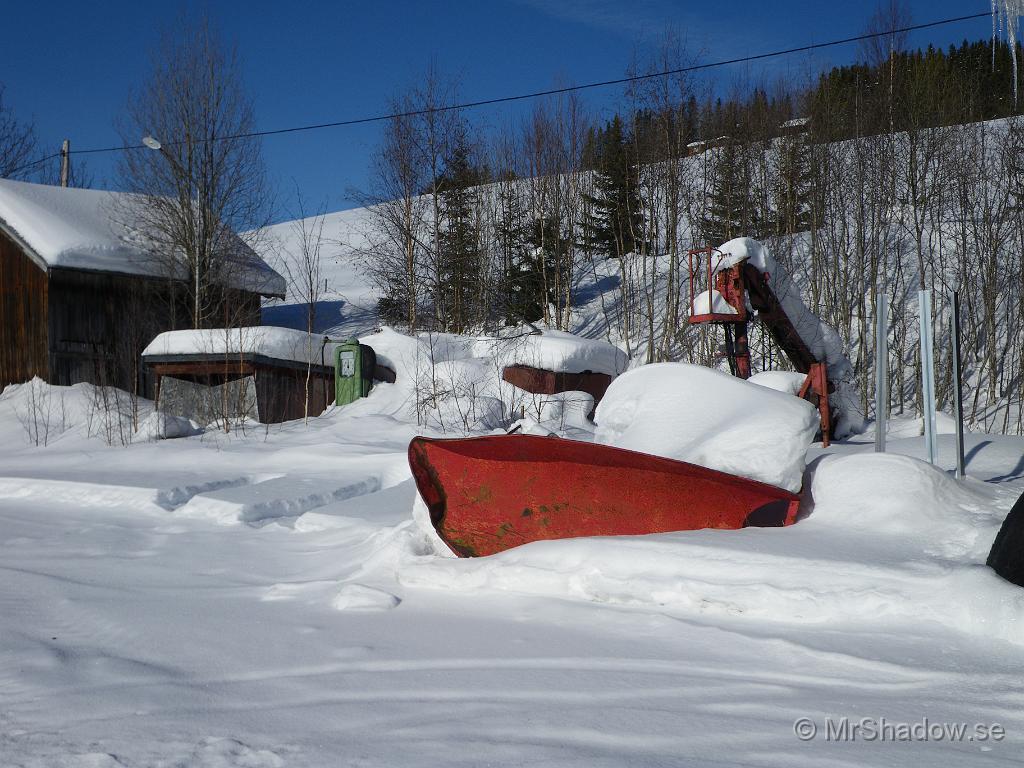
(881, 371)
(924, 300)
(958, 394)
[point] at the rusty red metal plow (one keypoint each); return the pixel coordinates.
(489, 494)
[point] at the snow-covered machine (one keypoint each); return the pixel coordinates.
(649, 469)
(731, 282)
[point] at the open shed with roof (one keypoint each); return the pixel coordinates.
(257, 372)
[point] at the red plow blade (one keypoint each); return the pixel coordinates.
(489, 494)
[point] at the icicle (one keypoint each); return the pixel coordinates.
(1005, 16)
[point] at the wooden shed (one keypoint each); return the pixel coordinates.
(256, 372)
(80, 296)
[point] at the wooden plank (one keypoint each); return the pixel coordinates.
(199, 369)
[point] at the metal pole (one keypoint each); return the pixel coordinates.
(881, 371)
(958, 393)
(924, 300)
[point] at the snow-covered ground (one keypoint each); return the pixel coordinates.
(265, 598)
(270, 597)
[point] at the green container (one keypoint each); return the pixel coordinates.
(353, 371)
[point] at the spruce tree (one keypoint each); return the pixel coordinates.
(614, 224)
(731, 211)
(530, 278)
(458, 303)
(510, 231)
(792, 193)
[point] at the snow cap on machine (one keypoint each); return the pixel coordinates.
(706, 417)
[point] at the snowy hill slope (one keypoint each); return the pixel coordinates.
(892, 245)
(348, 305)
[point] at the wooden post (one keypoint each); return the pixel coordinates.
(65, 162)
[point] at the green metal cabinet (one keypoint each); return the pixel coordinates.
(354, 364)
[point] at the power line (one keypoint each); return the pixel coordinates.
(534, 94)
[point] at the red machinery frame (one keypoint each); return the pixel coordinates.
(740, 285)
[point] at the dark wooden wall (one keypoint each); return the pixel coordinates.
(69, 326)
(99, 323)
(23, 302)
(281, 393)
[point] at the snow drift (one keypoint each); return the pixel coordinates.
(554, 350)
(889, 540)
(452, 382)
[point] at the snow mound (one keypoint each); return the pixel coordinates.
(789, 382)
(163, 426)
(906, 499)
(454, 383)
(709, 418)
(399, 352)
(563, 413)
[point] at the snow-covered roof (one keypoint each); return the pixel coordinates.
(554, 350)
(266, 341)
(796, 122)
(73, 228)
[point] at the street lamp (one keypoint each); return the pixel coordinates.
(154, 144)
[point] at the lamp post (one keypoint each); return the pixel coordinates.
(155, 144)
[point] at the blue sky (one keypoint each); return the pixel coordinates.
(69, 66)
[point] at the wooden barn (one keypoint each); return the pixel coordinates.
(80, 297)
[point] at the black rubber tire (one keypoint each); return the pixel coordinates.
(1007, 554)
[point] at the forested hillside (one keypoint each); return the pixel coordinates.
(900, 173)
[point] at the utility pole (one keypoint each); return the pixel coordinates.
(65, 162)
